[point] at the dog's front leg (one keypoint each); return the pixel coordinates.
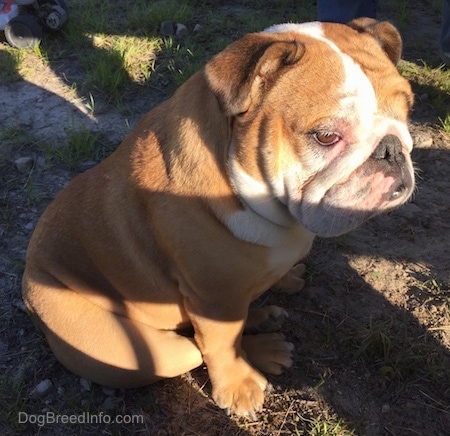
(236, 385)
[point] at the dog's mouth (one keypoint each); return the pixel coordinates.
(383, 182)
(389, 158)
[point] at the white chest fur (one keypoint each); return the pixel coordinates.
(287, 244)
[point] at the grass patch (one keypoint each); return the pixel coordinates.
(329, 428)
(145, 17)
(13, 399)
(10, 60)
(81, 145)
(120, 49)
(432, 81)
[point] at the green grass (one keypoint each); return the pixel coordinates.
(445, 122)
(403, 11)
(81, 145)
(145, 17)
(10, 59)
(329, 428)
(120, 50)
(13, 399)
(433, 82)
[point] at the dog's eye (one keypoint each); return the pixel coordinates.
(326, 138)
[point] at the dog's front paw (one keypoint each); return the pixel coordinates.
(265, 319)
(269, 352)
(243, 391)
(293, 281)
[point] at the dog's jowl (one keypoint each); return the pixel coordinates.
(215, 195)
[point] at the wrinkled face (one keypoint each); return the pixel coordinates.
(329, 146)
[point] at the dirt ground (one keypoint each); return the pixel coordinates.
(371, 328)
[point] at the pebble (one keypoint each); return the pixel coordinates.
(385, 408)
(110, 403)
(19, 304)
(42, 388)
(167, 28)
(108, 391)
(24, 164)
(86, 165)
(181, 30)
(424, 141)
(29, 226)
(41, 162)
(85, 384)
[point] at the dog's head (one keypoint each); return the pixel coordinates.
(319, 122)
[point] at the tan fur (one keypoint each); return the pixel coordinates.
(143, 246)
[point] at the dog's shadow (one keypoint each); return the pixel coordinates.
(367, 353)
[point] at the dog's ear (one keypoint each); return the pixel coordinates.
(384, 32)
(241, 75)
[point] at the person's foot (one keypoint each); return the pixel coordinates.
(445, 56)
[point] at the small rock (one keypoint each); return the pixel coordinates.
(41, 162)
(198, 27)
(86, 165)
(24, 164)
(167, 28)
(424, 96)
(385, 408)
(108, 391)
(110, 403)
(19, 304)
(29, 226)
(181, 30)
(424, 141)
(42, 389)
(85, 384)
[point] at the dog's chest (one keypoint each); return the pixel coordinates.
(287, 245)
(294, 245)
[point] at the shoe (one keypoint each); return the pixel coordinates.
(445, 56)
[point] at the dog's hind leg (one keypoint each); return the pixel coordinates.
(107, 348)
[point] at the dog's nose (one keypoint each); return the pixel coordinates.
(390, 157)
(389, 148)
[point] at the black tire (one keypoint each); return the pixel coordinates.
(61, 3)
(23, 32)
(52, 19)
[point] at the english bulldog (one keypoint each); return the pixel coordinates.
(213, 198)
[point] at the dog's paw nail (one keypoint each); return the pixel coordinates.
(269, 389)
(285, 314)
(252, 415)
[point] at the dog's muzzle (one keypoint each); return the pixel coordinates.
(390, 156)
